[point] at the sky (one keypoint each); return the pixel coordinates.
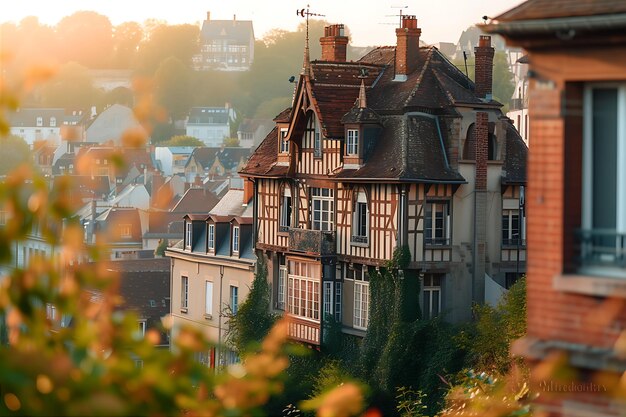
(371, 22)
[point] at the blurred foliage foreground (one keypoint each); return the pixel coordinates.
(101, 364)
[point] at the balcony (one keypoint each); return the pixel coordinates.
(303, 330)
(602, 251)
(312, 242)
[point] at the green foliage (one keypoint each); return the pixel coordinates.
(71, 88)
(173, 87)
(160, 250)
(87, 38)
(489, 340)
(168, 41)
(14, 151)
(182, 140)
(253, 319)
(231, 142)
(410, 403)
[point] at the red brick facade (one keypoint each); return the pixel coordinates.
(407, 49)
(482, 136)
(334, 44)
(484, 63)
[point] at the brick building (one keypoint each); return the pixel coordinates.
(576, 198)
(396, 149)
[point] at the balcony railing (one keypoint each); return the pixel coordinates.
(437, 241)
(363, 240)
(514, 242)
(603, 248)
(313, 242)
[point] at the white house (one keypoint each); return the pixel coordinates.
(210, 124)
(35, 124)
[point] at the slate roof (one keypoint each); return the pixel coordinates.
(111, 220)
(238, 31)
(208, 115)
(27, 117)
(229, 157)
(551, 9)
(195, 200)
(514, 169)
(231, 205)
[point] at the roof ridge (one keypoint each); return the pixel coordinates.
(420, 77)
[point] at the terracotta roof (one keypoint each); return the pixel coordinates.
(283, 116)
(263, 160)
(514, 169)
(550, 9)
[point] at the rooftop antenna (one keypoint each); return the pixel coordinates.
(399, 14)
(306, 67)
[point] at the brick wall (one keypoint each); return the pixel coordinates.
(334, 44)
(407, 47)
(483, 69)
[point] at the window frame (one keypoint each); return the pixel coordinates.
(430, 223)
(184, 293)
(234, 299)
(360, 317)
(188, 234)
(317, 196)
(429, 288)
(236, 238)
(211, 237)
(352, 142)
(208, 299)
(284, 143)
(281, 287)
(286, 210)
(611, 267)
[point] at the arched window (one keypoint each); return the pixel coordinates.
(313, 138)
(469, 149)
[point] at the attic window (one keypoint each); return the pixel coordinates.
(352, 144)
(284, 143)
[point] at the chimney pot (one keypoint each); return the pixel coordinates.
(208, 15)
(334, 44)
(407, 47)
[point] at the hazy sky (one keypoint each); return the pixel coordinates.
(370, 21)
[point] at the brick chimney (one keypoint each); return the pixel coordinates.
(483, 69)
(407, 47)
(208, 16)
(334, 44)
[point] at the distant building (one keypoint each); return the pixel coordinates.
(210, 124)
(173, 158)
(212, 270)
(226, 45)
(252, 131)
(38, 124)
(109, 125)
(518, 107)
(215, 163)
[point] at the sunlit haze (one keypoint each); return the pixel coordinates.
(370, 22)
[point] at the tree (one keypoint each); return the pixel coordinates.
(71, 88)
(87, 38)
(126, 39)
(14, 151)
(253, 319)
(182, 140)
(163, 42)
(173, 88)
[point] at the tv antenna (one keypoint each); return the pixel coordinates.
(306, 13)
(399, 14)
(306, 66)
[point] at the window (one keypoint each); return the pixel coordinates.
(235, 238)
(603, 235)
(3, 218)
(51, 312)
(284, 143)
(304, 290)
(338, 302)
(234, 299)
(282, 278)
(437, 223)
(352, 144)
(317, 149)
(39, 121)
(286, 211)
(361, 296)
(184, 292)
(208, 299)
(513, 231)
(125, 231)
(53, 122)
(328, 299)
(323, 209)
(431, 306)
(360, 219)
(142, 327)
(211, 237)
(188, 234)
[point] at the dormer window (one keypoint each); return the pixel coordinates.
(211, 237)
(188, 235)
(39, 121)
(53, 122)
(284, 143)
(352, 144)
(236, 239)
(360, 220)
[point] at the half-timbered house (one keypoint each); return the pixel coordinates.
(399, 148)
